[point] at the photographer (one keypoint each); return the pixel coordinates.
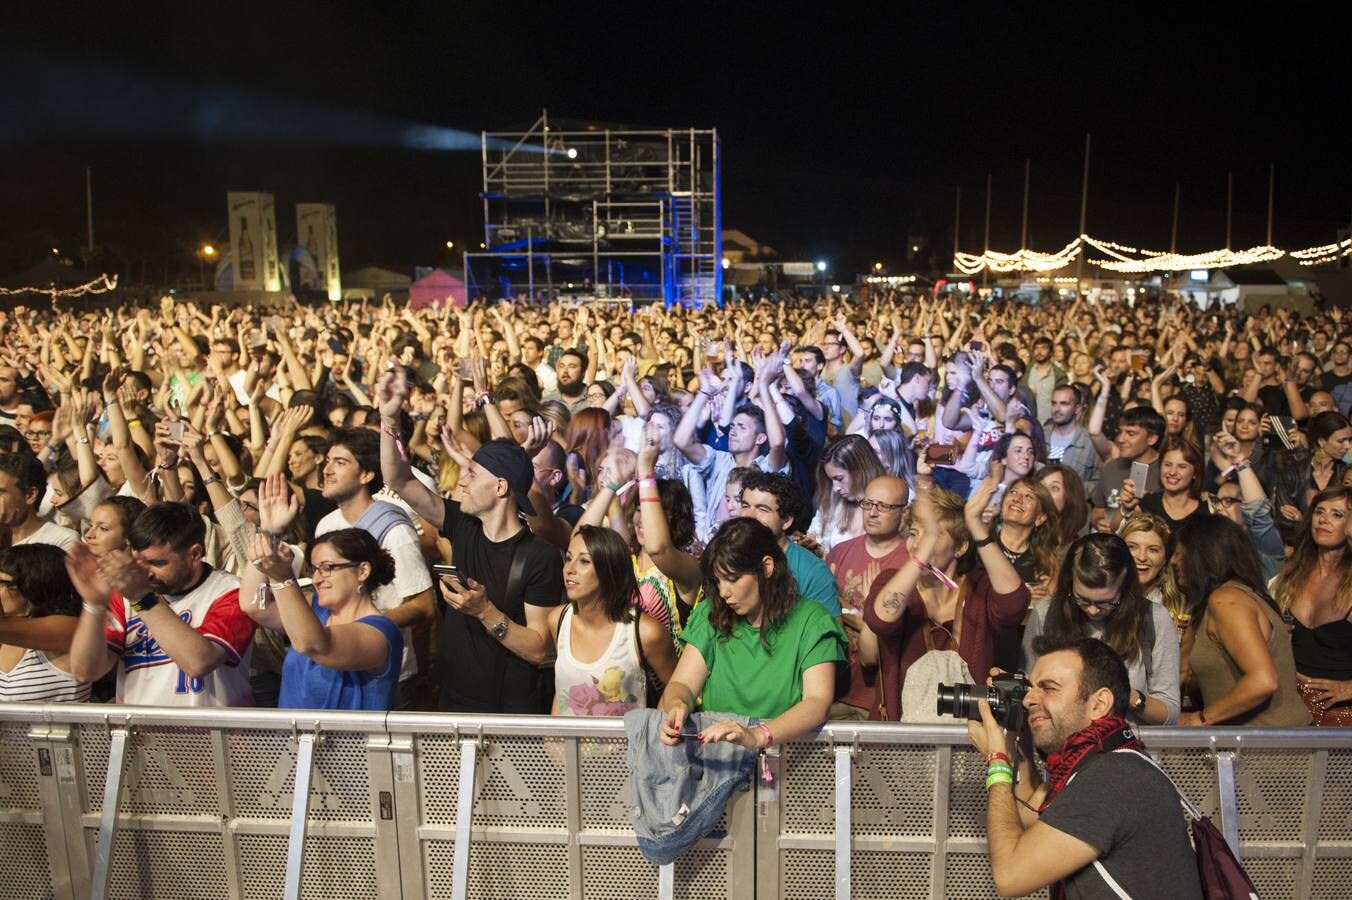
(1070, 833)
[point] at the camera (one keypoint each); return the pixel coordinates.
(1004, 694)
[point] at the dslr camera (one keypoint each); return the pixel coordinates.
(1004, 694)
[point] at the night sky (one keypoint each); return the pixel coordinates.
(838, 131)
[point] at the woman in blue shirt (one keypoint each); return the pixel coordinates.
(344, 653)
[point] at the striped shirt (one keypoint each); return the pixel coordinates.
(35, 680)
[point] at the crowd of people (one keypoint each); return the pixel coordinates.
(790, 509)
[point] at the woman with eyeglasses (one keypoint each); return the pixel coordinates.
(344, 653)
(40, 610)
(1241, 660)
(1099, 594)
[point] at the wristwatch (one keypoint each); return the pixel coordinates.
(1139, 706)
(499, 631)
(149, 601)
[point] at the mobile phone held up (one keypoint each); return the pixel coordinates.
(451, 572)
(1140, 476)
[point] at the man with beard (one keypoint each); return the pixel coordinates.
(1043, 377)
(172, 622)
(1067, 440)
(572, 372)
(1077, 834)
(351, 478)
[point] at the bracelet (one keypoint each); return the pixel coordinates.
(997, 755)
(82, 440)
(94, 609)
(649, 499)
(999, 767)
(278, 585)
(133, 423)
(649, 480)
(214, 479)
(999, 778)
(1201, 716)
(988, 539)
(769, 735)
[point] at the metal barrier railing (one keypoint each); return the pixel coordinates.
(139, 802)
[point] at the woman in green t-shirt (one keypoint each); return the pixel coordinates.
(753, 648)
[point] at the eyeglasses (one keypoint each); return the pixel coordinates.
(881, 506)
(245, 504)
(1226, 502)
(1109, 605)
(34, 435)
(327, 569)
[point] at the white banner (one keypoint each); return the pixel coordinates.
(317, 232)
(253, 241)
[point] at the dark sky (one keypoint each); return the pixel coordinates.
(837, 130)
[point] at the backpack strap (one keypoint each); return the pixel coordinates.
(517, 570)
(1188, 806)
(1110, 881)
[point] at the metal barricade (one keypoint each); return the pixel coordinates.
(125, 802)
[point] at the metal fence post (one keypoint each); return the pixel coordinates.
(844, 822)
(112, 794)
(300, 809)
(464, 816)
(1228, 799)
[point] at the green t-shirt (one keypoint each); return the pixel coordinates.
(744, 678)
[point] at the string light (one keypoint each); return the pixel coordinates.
(1133, 260)
(101, 285)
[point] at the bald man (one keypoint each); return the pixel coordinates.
(861, 565)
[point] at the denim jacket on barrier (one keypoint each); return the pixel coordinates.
(678, 793)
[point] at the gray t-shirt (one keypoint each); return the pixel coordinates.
(1109, 487)
(1143, 844)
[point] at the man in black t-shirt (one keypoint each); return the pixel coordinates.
(493, 641)
(1075, 829)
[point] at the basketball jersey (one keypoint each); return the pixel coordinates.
(148, 677)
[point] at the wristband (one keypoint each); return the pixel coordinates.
(988, 539)
(999, 778)
(133, 423)
(1201, 716)
(94, 609)
(999, 767)
(769, 735)
(997, 755)
(278, 585)
(149, 601)
(214, 479)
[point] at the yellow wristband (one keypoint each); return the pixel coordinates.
(132, 423)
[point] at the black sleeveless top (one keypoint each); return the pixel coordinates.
(1324, 652)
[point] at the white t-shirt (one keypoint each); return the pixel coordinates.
(411, 575)
(149, 677)
(51, 533)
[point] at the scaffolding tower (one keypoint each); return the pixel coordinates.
(590, 210)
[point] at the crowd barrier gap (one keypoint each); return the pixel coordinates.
(102, 801)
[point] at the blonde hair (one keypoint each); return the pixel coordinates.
(1170, 595)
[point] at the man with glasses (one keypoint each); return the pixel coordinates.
(776, 501)
(839, 372)
(860, 566)
(351, 479)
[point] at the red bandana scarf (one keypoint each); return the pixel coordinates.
(1101, 736)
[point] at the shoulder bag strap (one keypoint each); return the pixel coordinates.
(517, 570)
(1188, 806)
(1110, 881)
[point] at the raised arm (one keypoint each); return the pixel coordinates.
(1004, 579)
(682, 568)
(1103, 446)
(391, 391)
(684, 436)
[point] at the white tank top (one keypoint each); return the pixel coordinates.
(35, 680)
(611, 686)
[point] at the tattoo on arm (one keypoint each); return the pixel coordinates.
(892, 602)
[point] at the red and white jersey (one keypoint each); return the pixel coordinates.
(148, 677)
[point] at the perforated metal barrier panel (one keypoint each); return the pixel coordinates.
(122, 802)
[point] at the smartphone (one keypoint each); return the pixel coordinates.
(444, 571)
(176, 430)
(257, 338)
(1140, 476)
(977, 346)
(276, 323)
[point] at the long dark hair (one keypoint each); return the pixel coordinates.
(39, 573)
(1074, 506)
(614, 571)
(740, 548)
(1098, 561)
(1216, 551)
